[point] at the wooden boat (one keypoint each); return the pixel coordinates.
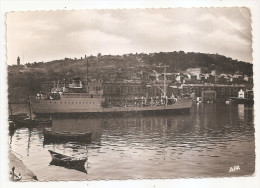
(18, 116)
(28, 122)
(43, 121)
(56, 136)
(24, 122)
(67, 161)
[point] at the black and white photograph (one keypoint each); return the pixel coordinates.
(130, 94)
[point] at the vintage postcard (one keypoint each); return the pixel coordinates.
(130, 94)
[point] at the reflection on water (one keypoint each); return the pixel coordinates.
(206, 143)
(241, 111)
(80, 125)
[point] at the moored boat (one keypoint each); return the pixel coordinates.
(68, 161)
(55, 136)
(18, 116)
(43, 121)
(23, 120)
(28, 122)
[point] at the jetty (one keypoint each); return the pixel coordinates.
(20, 169)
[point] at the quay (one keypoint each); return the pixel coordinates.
(20, 168)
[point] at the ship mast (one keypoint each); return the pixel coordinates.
(164, 80)
(30, 110)
(87, 69)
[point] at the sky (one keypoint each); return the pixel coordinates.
(38, 36)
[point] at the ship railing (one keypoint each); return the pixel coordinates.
(138, 102)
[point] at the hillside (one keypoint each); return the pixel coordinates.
(26, 80)
(178, 61)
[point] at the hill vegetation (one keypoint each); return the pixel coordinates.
(177, 61)
(24, 81)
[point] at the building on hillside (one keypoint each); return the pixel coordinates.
(214, 72)
(18, 61)
(195, 71)
(237, 79)
(46, 87)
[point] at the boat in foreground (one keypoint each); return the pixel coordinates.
(67, 161)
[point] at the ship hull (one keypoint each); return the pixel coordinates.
(41, 107)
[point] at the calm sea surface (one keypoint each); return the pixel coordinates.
(205, 143)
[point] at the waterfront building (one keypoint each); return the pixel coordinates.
(249, 94)
(241, 94)
(223, 92)
(209, 95)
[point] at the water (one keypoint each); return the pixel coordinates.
(205, 143)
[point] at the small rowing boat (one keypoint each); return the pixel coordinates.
(43, 121)
(56, 136)
(68, 162)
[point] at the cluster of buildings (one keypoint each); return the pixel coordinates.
(137, 89)
(201, 76)
(143, 83)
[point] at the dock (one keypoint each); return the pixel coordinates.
(20, 168)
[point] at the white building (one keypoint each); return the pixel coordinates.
(241, 94)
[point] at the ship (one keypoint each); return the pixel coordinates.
(75, 99)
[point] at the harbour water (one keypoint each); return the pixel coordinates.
(208, 142)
